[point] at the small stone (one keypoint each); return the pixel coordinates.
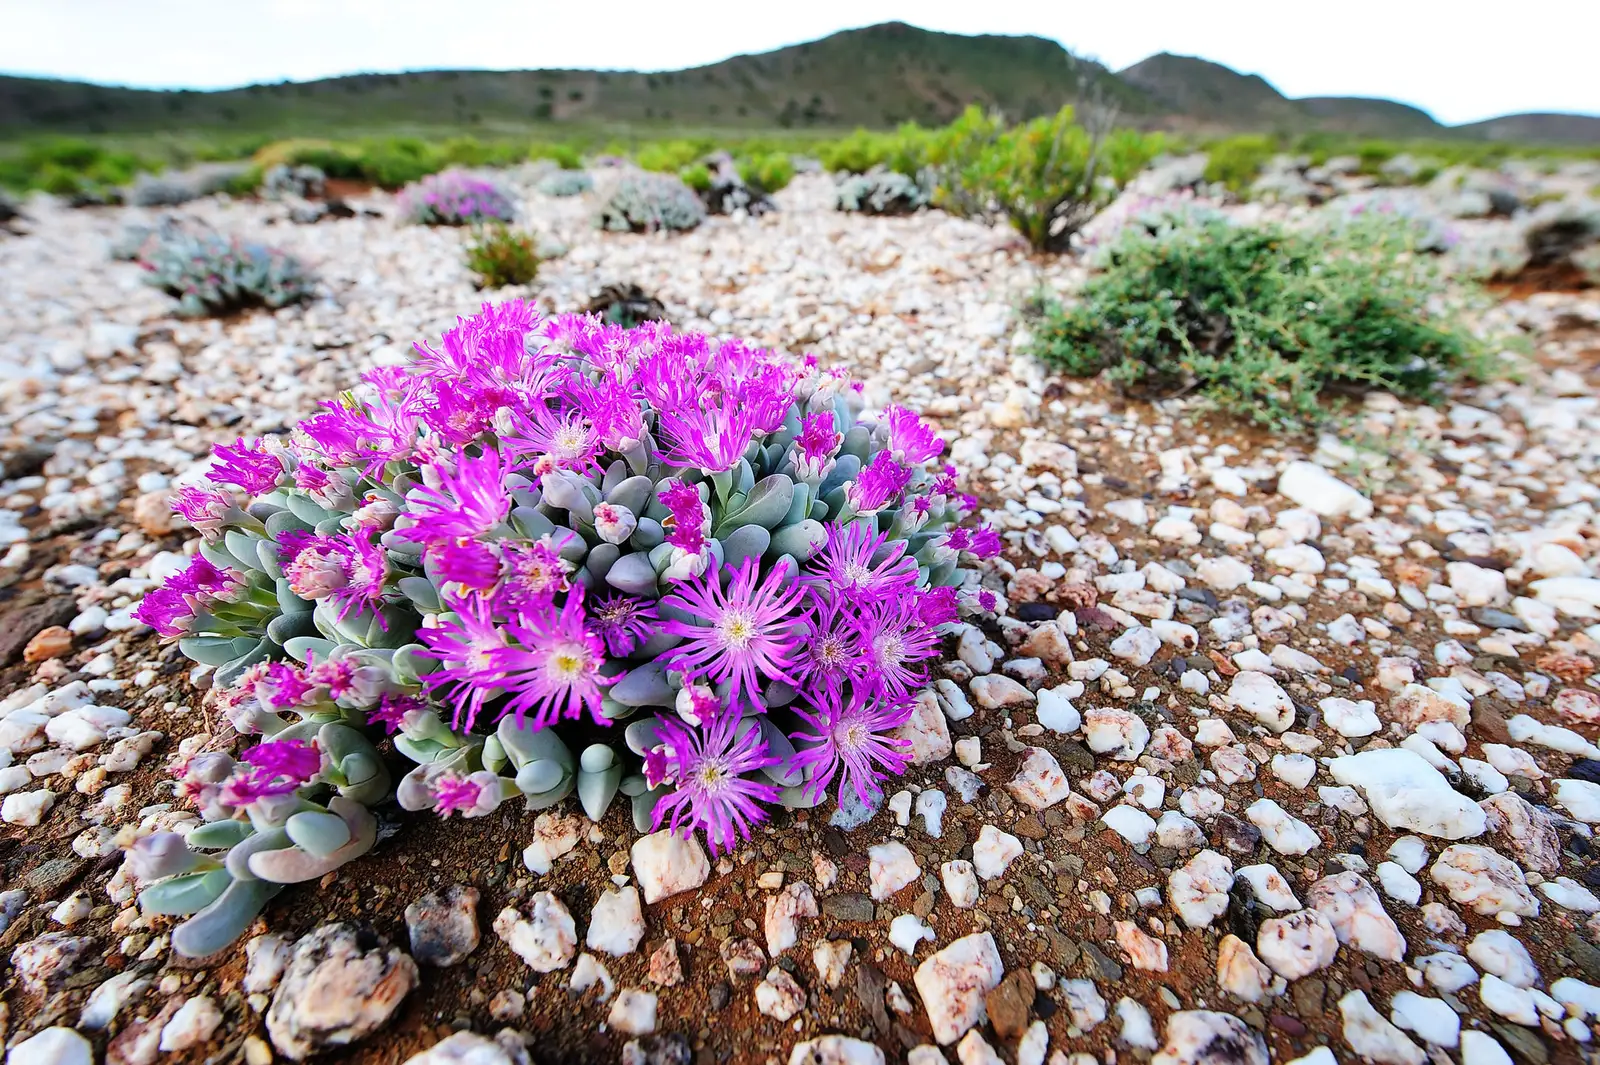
(1374, 1038)
(343, 983)
(546, 939)
(444, 925)
(1143, 951)
(1297, 944)
(469, 1048)
(994, 852)
(831, 957)
(633, 1012)
(1205, 1037)
(667, 863)
(1039, 782)
(784, 912)
(1356, 915)
(954, 982)
(192, 1025)
(891, 867)
(665, 968)
(52, 1046)
(835, 1050)
(1009, 1004)
(46, 644)
(778, 996)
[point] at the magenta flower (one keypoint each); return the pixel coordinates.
(689, 520)
(878, 485)
(555, 670)
(465, 649)
(986, 542)
(852, 739)
(742, 635)
(911, 440)
(712, 792)
(613, 409)
(204, 508)
(937, 605)
(284, 686)
(470, 795)
(347, 569)
(392, 709)
(277, 767)
(895, 638)
(624, 623)
(534, 573)
(814, 449)
(170, 608)
(470, 563)
(250, 466)
(468, 502)
(828, 650)
(859, 562)
(712, 440)
(542, 440)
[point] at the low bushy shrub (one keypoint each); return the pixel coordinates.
(566, 183)
(1046, 177)
(644, 202)
(669, 157)
(1237, 161)
(901, 151)
(502, 256)
(880, 191)
(563, 155)
(454, 198)
(768, 171)
(213, 275)
(626, 306)
(519, 561)
(1263, 321)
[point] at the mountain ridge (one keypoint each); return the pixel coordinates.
(875, 76)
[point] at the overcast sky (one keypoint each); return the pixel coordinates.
(1441, 55)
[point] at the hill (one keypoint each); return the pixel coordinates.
(1546, 128)
(875, 77)
(1190, 89)
(879, 76)
(1209, 93)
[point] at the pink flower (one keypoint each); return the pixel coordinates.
(742, 635)
(554, 669)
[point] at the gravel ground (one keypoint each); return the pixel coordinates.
(1284, 743)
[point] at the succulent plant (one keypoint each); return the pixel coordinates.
(644, 202)
(156, 190)
(626, 305)
(210, 274)
(881, 191)
(555, 558)
(455, 198)
(566, 183)
(723, 189)
(282, 181)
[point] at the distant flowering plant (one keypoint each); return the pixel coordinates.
(542, 537)
(455, 198)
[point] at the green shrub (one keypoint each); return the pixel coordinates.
(1046, 177)
(697, 177)
(392, 162)
(502, 256)
(768, 171)
(1237, 161)
(563, 155)
(901, 151)
(469, 151)
(670, 157)
(1263, 321)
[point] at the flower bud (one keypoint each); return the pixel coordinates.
(614, 523)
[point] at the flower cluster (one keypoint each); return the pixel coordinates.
(555, 556)
(454, 198)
